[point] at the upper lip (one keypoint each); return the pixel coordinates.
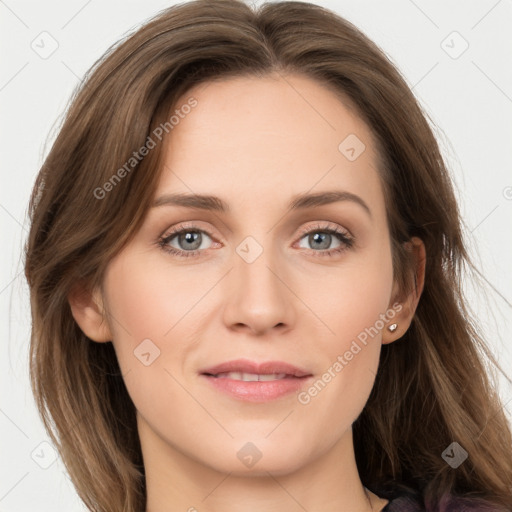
(264, 367)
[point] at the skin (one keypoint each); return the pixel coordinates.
(255, 143)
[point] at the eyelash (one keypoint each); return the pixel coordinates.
(346, 240)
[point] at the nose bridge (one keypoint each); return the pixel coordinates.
(255, 259)
(259, 299)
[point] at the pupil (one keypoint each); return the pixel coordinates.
(319, 237)
(191, 237)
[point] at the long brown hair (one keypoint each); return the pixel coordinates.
(431, 389)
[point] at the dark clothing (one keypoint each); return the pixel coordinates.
(404, 499)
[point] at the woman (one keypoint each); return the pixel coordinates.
(244, 262)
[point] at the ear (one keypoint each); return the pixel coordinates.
(405, 314)
(87, 310)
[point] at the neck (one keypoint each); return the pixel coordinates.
(176, 481)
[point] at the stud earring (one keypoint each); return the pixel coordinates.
(392, 327)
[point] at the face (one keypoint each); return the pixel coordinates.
(269, 278)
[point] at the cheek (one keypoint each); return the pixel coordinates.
(149, 304)
(149, 299)
(350, 298)
(351, 307)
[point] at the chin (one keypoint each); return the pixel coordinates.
(259, 458)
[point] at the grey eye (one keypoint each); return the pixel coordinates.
(320, 240)
(188, 240)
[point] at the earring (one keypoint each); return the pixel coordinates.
(392, 327)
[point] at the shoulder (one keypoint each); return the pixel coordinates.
(405, 499)
(447, 504)
(402, 499)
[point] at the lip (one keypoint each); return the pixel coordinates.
(264, 367)
(257, 391)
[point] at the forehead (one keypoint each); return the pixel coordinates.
(269, 136)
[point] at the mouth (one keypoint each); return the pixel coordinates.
(251, 377)
(256, 382)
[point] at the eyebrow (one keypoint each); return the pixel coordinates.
(298, 202)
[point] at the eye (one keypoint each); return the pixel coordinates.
(185, 241)
(190, 240)
(322, 236)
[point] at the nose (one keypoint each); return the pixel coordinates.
(258, 297)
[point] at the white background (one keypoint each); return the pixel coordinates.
(469, 99)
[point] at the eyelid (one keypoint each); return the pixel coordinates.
(325, 225)
(319, 224)
(192, 225)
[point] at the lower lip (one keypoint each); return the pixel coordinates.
(258, 391)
